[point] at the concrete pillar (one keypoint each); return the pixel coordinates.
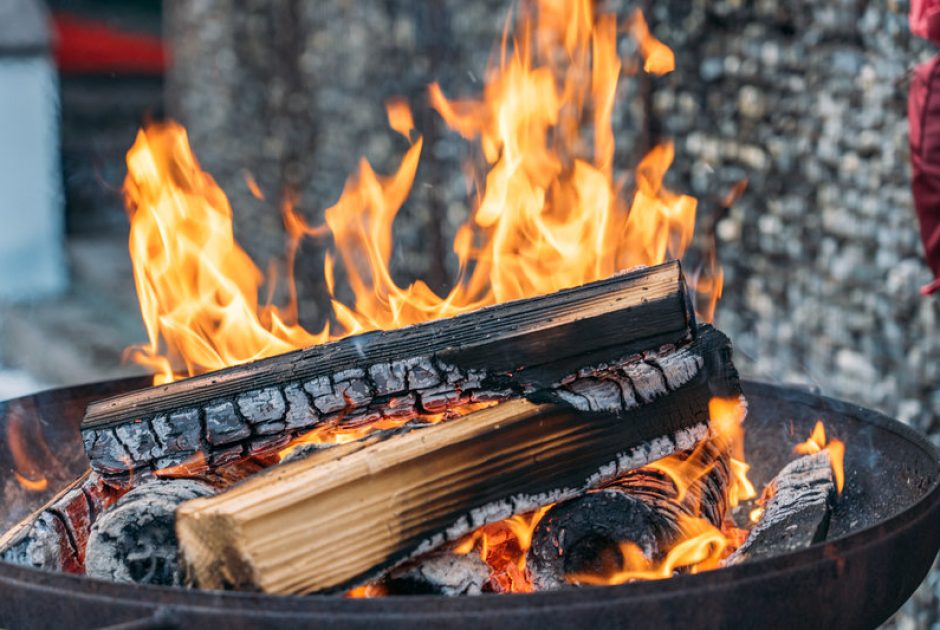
(31, 203)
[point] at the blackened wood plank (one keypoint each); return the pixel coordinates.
(634, 311)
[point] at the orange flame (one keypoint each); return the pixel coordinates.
(503, 546)
(549, 211)
(727, 417)
(658, 58)
(198, 289)
(399, 116)
(816, 443)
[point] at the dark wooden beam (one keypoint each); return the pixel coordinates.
(495, 353)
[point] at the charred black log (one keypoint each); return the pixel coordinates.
(135, 541)
(495, 353)
(797, 514)
(642, 507)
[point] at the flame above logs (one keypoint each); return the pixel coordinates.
(550, 212)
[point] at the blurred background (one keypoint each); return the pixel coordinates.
(807, 100)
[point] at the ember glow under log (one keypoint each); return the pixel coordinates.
(373, 505)
(492, 354)
(643, 508)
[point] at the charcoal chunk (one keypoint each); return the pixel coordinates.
(262, 405)
(135, 541)
(223, 426)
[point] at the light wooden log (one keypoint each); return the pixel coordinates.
(495, 353)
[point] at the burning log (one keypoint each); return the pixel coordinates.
(374, 505)
(53, 537)
(642, 507)
(135, 541)
(492, 354)
(797, 513)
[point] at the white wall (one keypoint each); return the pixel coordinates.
(31, 200)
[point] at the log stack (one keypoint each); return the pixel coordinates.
(546, 398)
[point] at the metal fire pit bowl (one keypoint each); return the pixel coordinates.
(883, 538)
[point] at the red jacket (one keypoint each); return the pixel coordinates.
(924, 121)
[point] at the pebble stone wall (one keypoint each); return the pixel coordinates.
(823, 262)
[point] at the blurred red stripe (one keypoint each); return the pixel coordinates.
(85, 46)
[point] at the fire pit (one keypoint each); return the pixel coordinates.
(883, 536)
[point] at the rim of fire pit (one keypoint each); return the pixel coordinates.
(784, 578)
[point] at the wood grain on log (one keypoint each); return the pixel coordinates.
(797, 514)
(373, 505)
(642, 507)
(491, 354)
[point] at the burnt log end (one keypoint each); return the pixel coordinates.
(135, 541)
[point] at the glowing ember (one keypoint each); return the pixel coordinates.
(192, 466)
(503, 546)
(817, 442)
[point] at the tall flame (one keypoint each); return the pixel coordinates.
(549, 211)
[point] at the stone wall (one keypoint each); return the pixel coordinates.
(823, 261)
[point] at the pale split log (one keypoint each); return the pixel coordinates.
(642, 507)
(373, 506)
(797, 514)
(362, 532)
(492, 354)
